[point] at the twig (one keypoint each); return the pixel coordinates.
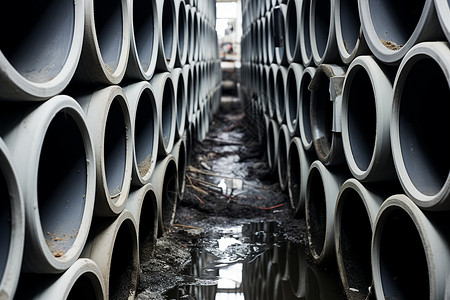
(272, 207)
(201, 201)
(187, 226)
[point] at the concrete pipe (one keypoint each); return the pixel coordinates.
(51, 148)
(349, 36)
(114, 248)
(144, 40)
(418, 148)
(322, 32)
(443, 10)
(83, 280)
(279, 18)
(292, 97)
(296, 269)
(144, 116)
(189, 26)
(322, 189)
(197, 32)
(168, 35)
(12, 224)
(196, 87)
(41, 47)
(165, 99)
(293, 13)
(305, 40)
(193, 35)
(108, 119)
(280, 94)
(284, 140)
(272, 145)
(106, 44)
(180, 95)
(143, 204)
(366, 112)
(402, 228)
(297, 175)
(325, 113)
(392, 29)
(258, 46)
(304, 107)
(269, 39)
(356, 210)
(263, 37)
(188, 84)
(165, 181)
(182, 30)
(179, 153)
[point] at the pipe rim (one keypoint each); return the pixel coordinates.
(294, 75)
(55, 83)
(182, 41)
(292, 46)
(304, 109)
(436, 198)
(443, 10)
(326, 51)
(283, 145)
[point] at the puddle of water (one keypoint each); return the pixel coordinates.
(254, 261)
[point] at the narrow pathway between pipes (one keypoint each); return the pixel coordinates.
(234, 236)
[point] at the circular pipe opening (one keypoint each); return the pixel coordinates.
(394, 22)
(5, 224)
(291, 27)
(316, 211)
(182, 31)
(148, 223)
(109, 28)
(355, 242)
(320, 21)
(349, 24)
(280, 96)
(168, 28)
(123, 272)
(362, 119)
(294, 176)
(167, 114)
(62, 183)
(87, 286)
(402, 259)
(305, 99)
(421, 123)
(305, 36)
(181, 104)
(292, 97)
(37, 39)
(190, 96)
(144, 31)
(144, 132)
(181, 170)
(115, 145)
(321, 113)
(169, 194)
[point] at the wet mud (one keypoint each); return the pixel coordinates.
(234, 231)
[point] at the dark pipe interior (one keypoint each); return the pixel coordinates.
(144, 30)
(317, 211)
(144, 131)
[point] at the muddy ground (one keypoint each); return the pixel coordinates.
(228, 183)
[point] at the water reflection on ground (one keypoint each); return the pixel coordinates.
(253, 262)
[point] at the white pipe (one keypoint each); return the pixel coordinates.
(280, 92)
(182, 32)
(143, 204)
(366, 111)
(284, 140)
(144, 120)
(269, 39)
(418, 146)
(356, 210)
(299, 162)
(144, 40)
(304, 107)
(322, 189)
(179, 153)
(325, 113)
(180, 93)
(189, 85)
(41, 49)
(52, 150)
(280, 52)
(168, 35)
(392, 29)
(349, 35)
(305, 40)
(82, 280)
(108, 120)
(292, 35)
(165, 181)
(114, 248)
(443, 10)
(294, 77)
(403, 234)
(106, 44)
(165, 100)
(322, 32)
(12, 224)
